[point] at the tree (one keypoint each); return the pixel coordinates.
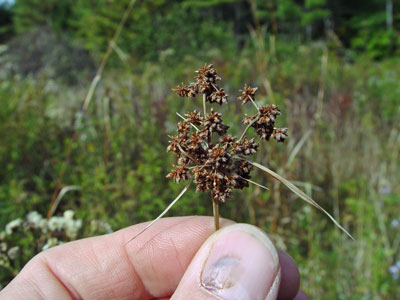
(6, 27)
(314, 14)
(29, 14)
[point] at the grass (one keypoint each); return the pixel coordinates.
(343, 151)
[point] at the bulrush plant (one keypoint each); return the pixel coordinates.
(213, 159)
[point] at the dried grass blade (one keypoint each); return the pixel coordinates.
(299, 193)
(255, 183)
(163, 213)
(61, 194)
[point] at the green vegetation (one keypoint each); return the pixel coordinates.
(337, 87)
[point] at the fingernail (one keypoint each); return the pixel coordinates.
(243, 264)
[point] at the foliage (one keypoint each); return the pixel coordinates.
(95, 23)
(373, 38)
(363, 26)
(30, 54)
(32, 13)
(340, 101)
(315, 11)
(120, 161)
(6, 28)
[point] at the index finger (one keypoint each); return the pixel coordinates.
(104, 267)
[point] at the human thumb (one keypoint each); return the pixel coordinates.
(238, 262)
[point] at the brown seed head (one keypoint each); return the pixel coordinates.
(267, 114)
(207, 74)
(212, 162)
(183, 128)
(221, 194)
(227, 140)
(250, 146)
(218, 157)
(219, 97)
(247, 93)
(279, 134)
(213, 123)
(182, 91)
(174, 143)
(180, 173)
(194, 117)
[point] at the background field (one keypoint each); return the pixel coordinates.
(333, 67)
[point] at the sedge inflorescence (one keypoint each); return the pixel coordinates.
(204, 148)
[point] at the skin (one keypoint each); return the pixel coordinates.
(150, 267)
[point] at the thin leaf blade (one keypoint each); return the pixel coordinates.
(163, 213)
(298, 192)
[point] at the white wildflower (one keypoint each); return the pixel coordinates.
(12, 225)
(43, 226)
(2, 235)
(56, 223)
(73, 228)
(69, 214)
(13, 252)
(78, 224)
(34, 218)
(51, 242)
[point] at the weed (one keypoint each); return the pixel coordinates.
(216, 160)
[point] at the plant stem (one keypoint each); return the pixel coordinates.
(247, 129)
(216, 215)
(194, 126)
(217, 89)
(187, 155)
(254, 103)
(204, 105)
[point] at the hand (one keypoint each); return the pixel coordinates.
(175, 258)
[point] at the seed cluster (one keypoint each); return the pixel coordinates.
(264, 123)
(203, 147)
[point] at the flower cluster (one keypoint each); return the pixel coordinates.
(204, 149)
(47, 233)
(26, 236)
(65, 225)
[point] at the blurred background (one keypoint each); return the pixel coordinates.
(332, 66)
